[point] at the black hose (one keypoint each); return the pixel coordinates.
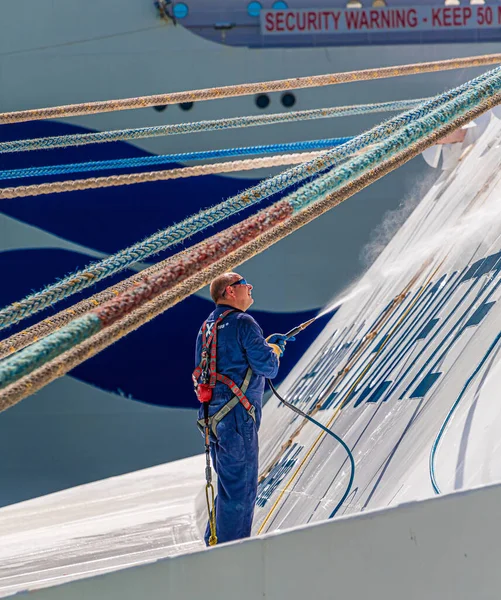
(331, 433)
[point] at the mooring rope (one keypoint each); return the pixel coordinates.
(180, 231)
(162, 159)
(92, 183)
(87, 108)
(64, 363)
(80, 139)
(41, 352)
(425, 130)
(39, 330)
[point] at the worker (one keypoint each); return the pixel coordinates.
(243, 360)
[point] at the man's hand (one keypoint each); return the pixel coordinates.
(278, 341)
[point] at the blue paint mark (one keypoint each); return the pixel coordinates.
(394, 354)
(426, 329)
(372, 394)
(311, 373)
(480, 314)
(268, 486)
(483, 266)
(438, 285)
(324, 365)
(329, 401)
(451, 335)
(379, 391)
(425, 385)
(365, 392)
(380, 344)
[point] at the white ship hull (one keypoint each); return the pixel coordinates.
(53, 53)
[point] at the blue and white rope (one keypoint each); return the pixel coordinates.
(196, 223)
(81, 139)
(423, 128)
(144, 161)
(39, 353)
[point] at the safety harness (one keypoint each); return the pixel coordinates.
(204, 378)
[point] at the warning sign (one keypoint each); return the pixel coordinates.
(420, 18)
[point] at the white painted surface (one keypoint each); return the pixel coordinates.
(71, 433)
(442, 548)
(150, 515)
(456, 225)
(101, 527)
(54, 52)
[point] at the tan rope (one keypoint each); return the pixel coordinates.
(87, 108)
(23, 191)
(64, 363)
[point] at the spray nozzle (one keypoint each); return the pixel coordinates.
(299, 328)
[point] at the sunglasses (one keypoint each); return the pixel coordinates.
(239, 282)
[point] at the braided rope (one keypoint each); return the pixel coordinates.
(36, 355)
(425, 129)
(80, 139)
(50, 324)
(72, 358)
(87, 108)
(180, 231)
(92, 183)
(41, 352)
(142, 161)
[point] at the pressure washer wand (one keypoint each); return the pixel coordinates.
(299, 328)
(308, 417)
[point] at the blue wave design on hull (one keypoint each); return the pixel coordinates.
(112, 218)
(154, 363)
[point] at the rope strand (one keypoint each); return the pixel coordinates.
(162, 159)
(87, 108)
(80, 139)
(72, 358)
(363, 170)
(180, 231)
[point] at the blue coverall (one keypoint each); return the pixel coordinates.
(240, 344)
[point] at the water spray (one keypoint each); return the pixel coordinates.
(290, 334)
(328, 309)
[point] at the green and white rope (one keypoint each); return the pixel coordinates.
(424, 129)
(34, 381)
(80, 139)
(181, 231)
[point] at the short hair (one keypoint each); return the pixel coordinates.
(219, 285)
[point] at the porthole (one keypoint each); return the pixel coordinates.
(186, 105)
(180, 10)
(262, 101)
(160, 107)
(254, 8)
(280, 5)
(288, 100)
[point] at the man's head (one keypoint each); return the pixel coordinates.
(232, 289)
